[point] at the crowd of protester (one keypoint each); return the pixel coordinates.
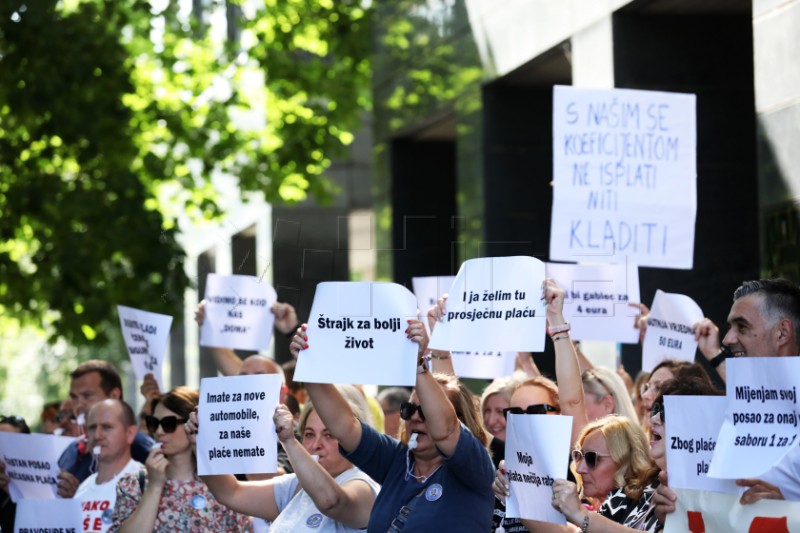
(427, 458)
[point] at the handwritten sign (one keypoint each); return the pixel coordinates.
(48, 516)
(238, 313)
(535, 456)
(356, 335)
(669, 330)
(495, 304)
(484, 365)
(692, 425)
(702, 511)
(597, 300)
(624, 176)
(146, 336)
(236, 431)
(32, 463)
(762, 417)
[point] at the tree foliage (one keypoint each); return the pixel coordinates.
(116, 114)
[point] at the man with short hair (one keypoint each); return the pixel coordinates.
(390, 400)
(111, 429)
(92, 382)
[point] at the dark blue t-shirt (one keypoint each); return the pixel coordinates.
(80, 464)
(457, 497)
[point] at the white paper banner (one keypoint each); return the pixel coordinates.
(624, 176)
(762, 417)
(238, 314)
(356, 335)
(692, 424)
(484, 365)
(713, 512)
(428, 289)
(48, 516)
(146, 335)
(495, 304)
(536, 454)
(597, 300)
(236, 432)
(32, 463)
(669, 330)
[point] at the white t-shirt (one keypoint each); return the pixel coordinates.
(97, 500)
(299, 513)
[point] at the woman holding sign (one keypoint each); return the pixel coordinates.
(439, 476)
(325, 493)
(168, 496)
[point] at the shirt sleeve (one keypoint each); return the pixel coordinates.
(375, 453)
(128, 498)
(284, 488)
(470, 462)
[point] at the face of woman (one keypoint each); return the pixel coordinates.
(597, 481)
(493, 417)
(530, 395)
(654, 384)
(318, 441)
(658, 450)
(173, 443)
(416, 424)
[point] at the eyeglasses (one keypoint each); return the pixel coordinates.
(590, 457)
(169, 423)
(64, 415)
(535, 409)
(407, 410)
(651, 386)
(658, 409)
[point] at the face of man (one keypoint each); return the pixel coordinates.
(105, 428)
(86, 391)
(749, 333)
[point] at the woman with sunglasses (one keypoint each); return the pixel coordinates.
(665, 371)
(168, 496)
(438, 476)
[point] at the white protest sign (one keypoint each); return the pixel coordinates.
(692, 424)
(236, 432)
(428, 289)
(356, 335)
(496, 303)
(536, 454)
(32, 463)
(484, 365)
(146, 336)
(49, 516)
(714, 512)
(624, 176)
(238, 312)
(597, 300)
(669, 330)
(761, 420)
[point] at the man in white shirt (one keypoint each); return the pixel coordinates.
(111, 428)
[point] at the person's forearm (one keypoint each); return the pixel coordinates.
(144, 517)
(317, 482)
(251, 498)
(442, 362)
(440, 415)
(226, 361)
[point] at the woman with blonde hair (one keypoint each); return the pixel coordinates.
(605, 394)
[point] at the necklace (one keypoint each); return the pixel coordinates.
(409, 471)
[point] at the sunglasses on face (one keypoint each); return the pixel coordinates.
(535, 409)
(591, 458)
(658, 409)
(407, 410)
(168, 423)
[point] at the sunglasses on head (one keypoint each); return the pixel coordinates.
(407, 410)
(658, 409)
(168, 423)
(535, 409)
(591, 458)
(14, 420)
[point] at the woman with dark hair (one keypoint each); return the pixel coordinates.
(168, 496)
(665, 371)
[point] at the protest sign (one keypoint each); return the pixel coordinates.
(691, 425)
(146, 336)
(48, 516)
(761, 419)
(484, 365)
(597, 300)
(496, 303)
(624, 176)
(238, 312)
(428, 289)
(32, 463)
(700, 512)
(356, 335)
(535, 456)
(669, 330)
(236, 433)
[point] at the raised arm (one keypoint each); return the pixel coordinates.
(143, 518)
(225, 359)
(350, 504)
(568, 373)
(441, 361)
(332, 408)
(706, 333)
